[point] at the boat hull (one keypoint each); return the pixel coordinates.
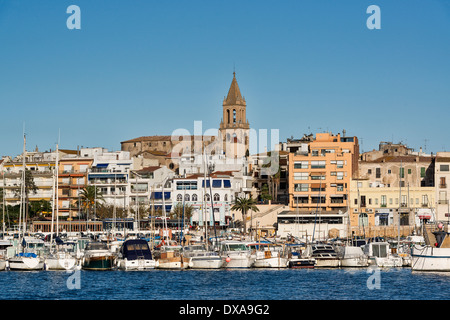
(173, 263)
(137, 264)
(238, 261)
(356, 262)
(430, 259)
(271, 263)
(2, 264)
(301, 263)
(328, 263)
(100, 263)
(26, 263)
(207, 262)
(57, 263)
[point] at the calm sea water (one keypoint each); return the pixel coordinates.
(251, 284)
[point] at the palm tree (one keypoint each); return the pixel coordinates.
(243, 205)
(89, 197)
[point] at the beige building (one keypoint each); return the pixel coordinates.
(442, 186)
(372, 205)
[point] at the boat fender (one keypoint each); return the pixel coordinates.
(228, 259)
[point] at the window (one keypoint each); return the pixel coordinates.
(216, 197)
(179, 197)
(383, 201)
(207, 197)
(424, 200)
(409, 171)
(369, 171)
(225, 198)
(194, 197)
(301, 187)
(315, 153)
(317, 176)
(217, 183)
(377, 173)
(402, 172)
(340, 176)
(444, 167)
(187, 197)
(300, 175)
(339, 164)
(442, 182)
(318, 164)
(404, 201)
(301, 165)
(422, 172)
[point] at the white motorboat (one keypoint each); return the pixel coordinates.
(324, 254)
(379, 254)
(4, 245)
(268, 255)
(135, 254)
(201, 258)
(236, 254)
(352, 256)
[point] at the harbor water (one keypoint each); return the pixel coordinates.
(227, 284)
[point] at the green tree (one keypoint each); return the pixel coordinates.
(265, 194)
(90, 197)
(177, 211)
(244, 205)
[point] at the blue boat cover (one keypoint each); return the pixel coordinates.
(27, 255)
(136, 248)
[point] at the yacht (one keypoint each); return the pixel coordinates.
(268, 255)
(295, 258)
(171, 257)
(4, 245)
(135, 254)
(202, 258)
(352, 256)
(236, 254)
(97, 256)
(324, 254)
(379, 254)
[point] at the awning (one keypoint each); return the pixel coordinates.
(101, 165)
(382, 214)
(424, 216)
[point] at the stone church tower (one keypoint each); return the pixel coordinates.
(234, 127)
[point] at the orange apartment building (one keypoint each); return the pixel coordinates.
(72, 178)
(320, 171)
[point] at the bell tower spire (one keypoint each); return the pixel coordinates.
(234, 127)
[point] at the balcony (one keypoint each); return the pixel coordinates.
(442, 185)
(442, 201)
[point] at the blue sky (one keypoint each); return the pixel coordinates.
(149, 67)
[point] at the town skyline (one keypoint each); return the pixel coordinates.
(302, 68)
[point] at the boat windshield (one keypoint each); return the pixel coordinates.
(137, 246)
(96, 246)
(236, 247)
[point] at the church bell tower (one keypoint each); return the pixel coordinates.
(234, 127)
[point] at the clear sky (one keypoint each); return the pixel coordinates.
(145, 67)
